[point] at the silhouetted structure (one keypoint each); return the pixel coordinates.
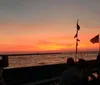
(3, 63)
(98, 60)
(98, 57)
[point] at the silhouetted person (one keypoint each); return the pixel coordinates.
(81, 63)
(84, 72)
(3, 63)
(70, 76)
(95, 76)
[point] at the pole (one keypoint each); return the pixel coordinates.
(76, 45)
(99, 44)
(76, 36)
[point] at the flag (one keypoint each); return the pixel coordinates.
(75, 35)
(78, 40)
(78, 27)
(95, 39)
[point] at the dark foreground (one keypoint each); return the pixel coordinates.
(39, 75)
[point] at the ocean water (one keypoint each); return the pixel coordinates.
(38, 60)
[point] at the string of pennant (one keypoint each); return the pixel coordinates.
(93, 40)
(78, 28)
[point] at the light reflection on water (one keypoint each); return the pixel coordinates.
(37, 60)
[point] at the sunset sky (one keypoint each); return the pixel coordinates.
(48, 25)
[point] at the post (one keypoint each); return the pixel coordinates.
(76, 36)
(4, 61)
(99, 44)
(76, 45)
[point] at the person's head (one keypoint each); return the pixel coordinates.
(70, 61)
(81, 60)
(81, 63)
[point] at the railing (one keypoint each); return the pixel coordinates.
(38, 75)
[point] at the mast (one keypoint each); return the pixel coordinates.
(76, 45)
(99, 44)
(76, 36)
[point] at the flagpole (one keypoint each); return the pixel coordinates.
(76, 41)
(99, 44)
(76, 36)
(76, 46)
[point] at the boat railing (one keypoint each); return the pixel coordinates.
(37, 75)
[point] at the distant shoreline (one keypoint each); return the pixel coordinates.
(43, 53)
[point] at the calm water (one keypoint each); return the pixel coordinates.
(37, 60)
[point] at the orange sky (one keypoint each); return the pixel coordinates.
(23, 38)
(46, 26)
